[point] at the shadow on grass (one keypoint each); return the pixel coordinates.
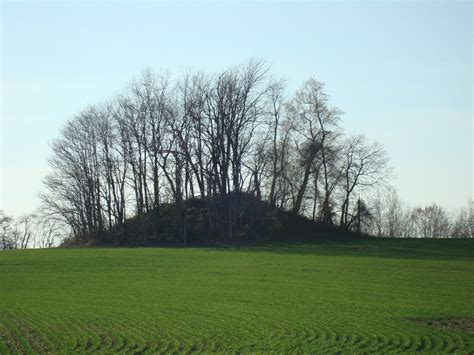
(336, 245)
(364, 247)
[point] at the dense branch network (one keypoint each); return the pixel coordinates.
(220, 140)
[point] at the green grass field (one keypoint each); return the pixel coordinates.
(352, 297)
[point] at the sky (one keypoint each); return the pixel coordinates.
(401, 71)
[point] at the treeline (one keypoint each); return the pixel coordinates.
(29, 231)
(387, 216)
(391, 217)
(218, 141)
(212, 137)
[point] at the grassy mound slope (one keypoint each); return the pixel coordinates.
(361, 296)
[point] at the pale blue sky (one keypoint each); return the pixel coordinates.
(401, 72)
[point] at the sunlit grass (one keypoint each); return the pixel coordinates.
(327, 297)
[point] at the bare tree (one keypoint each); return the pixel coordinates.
(5, 230)
(75, 185)
(316, 134)
(24, 231)
(363, 167)
(257, 166)
(49, 232)
(393, 215)
(432, 222)
(275, 112)
(463, 226)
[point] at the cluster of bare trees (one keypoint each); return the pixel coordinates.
(390, 217)
(29, 231)
(216, 138)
